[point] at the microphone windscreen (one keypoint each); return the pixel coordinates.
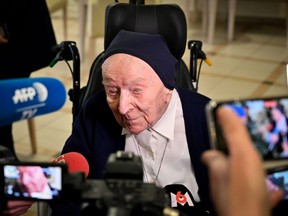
(76, 162)
(25, 98)
(182, 199)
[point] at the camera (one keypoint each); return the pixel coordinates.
(31, 181)
(266, 120)
(121, 190)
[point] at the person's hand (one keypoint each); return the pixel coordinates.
(238, 182)
(15, 208)
(3, 40)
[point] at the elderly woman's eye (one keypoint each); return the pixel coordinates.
(112, 92)
(137, 90)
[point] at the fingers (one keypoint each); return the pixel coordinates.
(16, 208)
(214, 160)
(275, 197)
(247, 174)
(245, 160)
(16, 211)
(237, 137)
(217, 164)
(12, 204)
(232, 128)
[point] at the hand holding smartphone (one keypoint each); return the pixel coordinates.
(266, 120)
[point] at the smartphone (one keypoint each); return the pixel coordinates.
(32, 181)
(278, 179)
(266, 120)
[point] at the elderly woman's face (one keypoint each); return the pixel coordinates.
(32, 179)
(135, 93)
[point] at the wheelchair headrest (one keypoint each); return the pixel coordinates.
(167, 20)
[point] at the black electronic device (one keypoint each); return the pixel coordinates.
(277, 178)
(31, 180)
(266, 120)
(121, 191)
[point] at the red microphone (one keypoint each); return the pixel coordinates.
(76, 162)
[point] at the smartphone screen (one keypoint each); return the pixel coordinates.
(266, 120)
(278, 179)
(32, 181)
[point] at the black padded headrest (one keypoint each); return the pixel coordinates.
(167, 20)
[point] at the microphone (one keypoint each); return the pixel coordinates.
(182, 199)
(76, 162)
(25, 98)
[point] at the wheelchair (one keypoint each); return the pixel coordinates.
(167, 20)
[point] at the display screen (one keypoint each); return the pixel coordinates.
(266, 121)
(34, 182)
(278, 180)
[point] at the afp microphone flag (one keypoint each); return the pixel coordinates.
(25, 98)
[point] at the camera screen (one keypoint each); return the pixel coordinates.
(32, 182)
(278, 180)
(267, 123)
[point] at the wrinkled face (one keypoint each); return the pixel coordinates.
(32, 179)
(135, 93)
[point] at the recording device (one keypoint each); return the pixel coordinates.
(24, 98)
(120, 192)
(76, 162)
(278, 179)
(31, 180)
(267, 122)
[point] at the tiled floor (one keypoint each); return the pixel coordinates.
(252, 65)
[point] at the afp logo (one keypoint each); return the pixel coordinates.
(179, 195)
(28, 94)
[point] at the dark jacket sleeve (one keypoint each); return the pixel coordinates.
(193, 105)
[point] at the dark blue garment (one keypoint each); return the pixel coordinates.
(97, 134)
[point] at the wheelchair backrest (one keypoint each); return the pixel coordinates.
(167, 20)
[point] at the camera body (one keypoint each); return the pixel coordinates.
(121, 189)
(29, 180)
